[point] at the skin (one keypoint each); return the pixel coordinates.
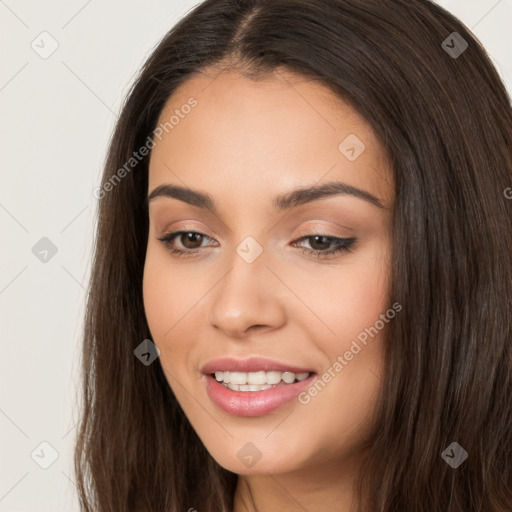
(245, 143)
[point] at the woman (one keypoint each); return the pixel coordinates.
(302, 287)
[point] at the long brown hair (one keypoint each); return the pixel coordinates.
(446, 120)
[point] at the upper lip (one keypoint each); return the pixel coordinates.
(251, 364)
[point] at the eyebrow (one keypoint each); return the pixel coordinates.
(286, 201)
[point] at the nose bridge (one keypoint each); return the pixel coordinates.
(244, 296)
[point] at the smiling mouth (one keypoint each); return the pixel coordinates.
(257, 381)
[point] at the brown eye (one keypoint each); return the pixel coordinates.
(191, 240)
(320, 242)
(184, 242)
(323, 246)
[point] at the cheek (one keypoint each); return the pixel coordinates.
(168, 293)
(164, 307)
(364, 292)
(158, 301)
(346, 299)
(362, 296)
(172, 302)
(166, 301)
(350, 304)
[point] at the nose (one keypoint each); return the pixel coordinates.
(247, 300)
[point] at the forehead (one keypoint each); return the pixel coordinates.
(271, 134)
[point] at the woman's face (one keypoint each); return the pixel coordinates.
(262, 180)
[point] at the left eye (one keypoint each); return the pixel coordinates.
(320, 245)
(326, 245)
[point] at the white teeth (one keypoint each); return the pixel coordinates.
(238, 377)
(288, 377)
(274, 377)
(250, 387)
(257, 381)
(223, 377)
(256, 378)
(246, 387)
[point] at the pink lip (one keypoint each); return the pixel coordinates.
(251, 364)
(252, 403)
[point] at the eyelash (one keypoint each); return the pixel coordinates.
(344, 245)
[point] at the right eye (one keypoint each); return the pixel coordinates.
(191, 242)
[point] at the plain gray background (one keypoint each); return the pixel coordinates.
(57, 114)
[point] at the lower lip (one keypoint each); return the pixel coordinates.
(253, 403)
